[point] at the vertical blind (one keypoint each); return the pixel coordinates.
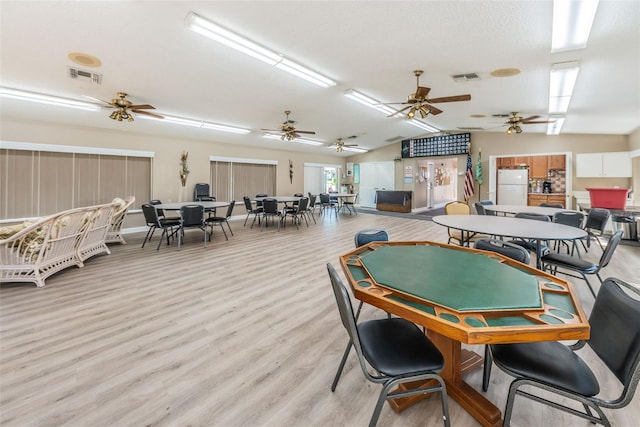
(234, 180)
(36, 183)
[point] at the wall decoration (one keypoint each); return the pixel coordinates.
(443, 145)
(291, 171)
(184, 167)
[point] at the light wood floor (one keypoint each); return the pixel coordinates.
(240, 333)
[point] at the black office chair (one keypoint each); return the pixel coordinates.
(251, 211)
(396, 349)
(514, 252)
(595, 225)
(365, 236)
(566, 264)
(553, 367)
(169, 226)
(192, 217)
(221, 220)
(201, 193)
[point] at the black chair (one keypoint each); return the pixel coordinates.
(551, 366)
(201, 193)
(161, 214)
(365, 236)
(259, 202)
(251, 211)
(270, 210)
(311, 208)
(551, 205)
(566, 264)
(169, 226)
(220, 220)
(480, 207)
(298, 213)
(192, 217)
(532, 245)
(572, 219)
(595, 225)
(326, 203)
(351, 204)
(396, 349)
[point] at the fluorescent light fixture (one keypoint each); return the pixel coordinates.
(562, 80)
(422, 125)
(368, 101)
(196, 123)
(299, 140)
(215, 32)
(572, 20)
(355, 149)
(555, 127)
(47, 99)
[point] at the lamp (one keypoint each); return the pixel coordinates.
(217, 33)
(196, 123)
(47, 99)
(572, 20)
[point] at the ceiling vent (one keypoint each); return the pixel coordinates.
(465, 77)
(78, 74)
(395, 139)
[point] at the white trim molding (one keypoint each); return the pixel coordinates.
(32, 146)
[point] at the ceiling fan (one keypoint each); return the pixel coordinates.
(124, 108)
(289, 133)
(514, 121)
(340, 144)
(419, 103)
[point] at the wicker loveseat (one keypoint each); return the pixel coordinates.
(31, 252)
(114, 234)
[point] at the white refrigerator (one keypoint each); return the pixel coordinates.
(513, 186)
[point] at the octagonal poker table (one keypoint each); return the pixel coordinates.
(462, 295)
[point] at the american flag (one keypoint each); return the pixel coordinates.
(469, 188)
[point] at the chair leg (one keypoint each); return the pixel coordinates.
(589, 284)
(341, 366)
(149, 235)
(228, 225)
(225, 233)
(486, 369)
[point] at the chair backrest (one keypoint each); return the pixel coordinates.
(615, 333)
(597, 219)
(302, 204)
(607, 254)
(324, 198)
(487, 203)
(368, 235)
(270, 206)
(247, 204)
(346, 311)
(574, 219)
(192, 215)
(457, 208)
(312, 200)
(230, 208)
(533, 216)
(551, 205)
(200, 190)
(333, 196)
(160, 212)
(259, 202)
(507, 249)
(150, 215)
(480, 208)
(355, 198)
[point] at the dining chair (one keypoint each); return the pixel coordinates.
(311, 207)
(351, 204)
(192, 217)
(459, 208)
(531, 244)
(553, 367)
(221, 220)
(251, 211)
(595, 225)
(363, 237)
(552, 205)
(161, 213)
(298, 213)
(259, 203)
(396, 349)
(514, 252)
(568, 265)
(487, 203)
(326, 203)
(201, 193)
(169, 226)
(572, 219)
(270, 210)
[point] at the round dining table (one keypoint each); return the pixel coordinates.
(504, 226)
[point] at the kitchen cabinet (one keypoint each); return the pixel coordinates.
(557, 162)
(505, 162)
(603, 165)
(558, 199)
(538, 168)
(551, 199)
(536, 199)
(521, 161)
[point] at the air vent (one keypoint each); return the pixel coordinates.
(465, 77)
(78, 74)
(395, 139)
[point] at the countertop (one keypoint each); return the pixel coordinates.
(627, 211)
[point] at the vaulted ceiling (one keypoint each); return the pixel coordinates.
(146, 50)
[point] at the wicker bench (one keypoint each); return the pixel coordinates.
(114, 234)
(31, 252)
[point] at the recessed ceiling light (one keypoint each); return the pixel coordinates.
(84, 59)
(505, 72)
(477, 116)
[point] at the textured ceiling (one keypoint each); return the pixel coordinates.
(147, 51)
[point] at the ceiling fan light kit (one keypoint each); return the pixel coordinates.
(219, 34)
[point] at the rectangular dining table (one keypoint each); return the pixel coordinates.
(462, 295)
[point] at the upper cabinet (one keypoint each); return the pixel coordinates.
(603, 165)
(557, 162)
(538, 167)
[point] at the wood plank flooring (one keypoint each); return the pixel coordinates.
(243, 332)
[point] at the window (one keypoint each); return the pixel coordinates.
(41, 179)
(232, 179)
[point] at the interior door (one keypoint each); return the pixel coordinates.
(375, 176)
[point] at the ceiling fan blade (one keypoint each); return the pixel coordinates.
(146, 113)
(528, 119)
(309, 132)
(107, 103)
(454, 98)
(524, 122)
(400, 111)
(433, 110)
(142, 107)
(421, 92)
